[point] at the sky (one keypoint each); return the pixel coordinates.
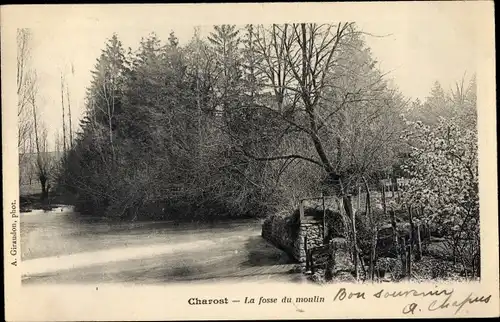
(417, 44)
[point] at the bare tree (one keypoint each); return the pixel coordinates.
(43, 160)
(69, 116)
(323, 79)
(297, 60)
(57, 142)
(68, 99)
(25, 86)
(106, 91)
(63, 114)
(38, 145)
(336, 105)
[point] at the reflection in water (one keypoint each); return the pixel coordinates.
(55, 209)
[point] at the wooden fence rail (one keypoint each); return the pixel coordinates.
(318, 255)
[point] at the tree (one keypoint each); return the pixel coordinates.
(458, 103)
(173, 41)
(225, 122)
(253, 78)
(32, 134)
(330, 106)
(333, 105)
(106, 86)
(69, 108)
(25, 87)
(463, 102)
(43, 160)
(443, 167)
(297, 60)
(63, 114)
(90, 167)
(224, 41)
(361, 112)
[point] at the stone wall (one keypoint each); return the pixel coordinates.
(282, 231)
(312, 229)
(288, 232)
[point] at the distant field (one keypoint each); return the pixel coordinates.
(32, 189)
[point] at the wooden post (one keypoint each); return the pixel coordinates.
(324, 218)
(419, 243)
(301, 210)
(384, 204)
(354, 237)
(359, 198)
(373, 241)
(345, 208)
(408, 261)
(311, 260)
(330, 264)
(412, 239)
(395, 235)
(404, 266)
(307, 254)
(412, 227)
(384, 208)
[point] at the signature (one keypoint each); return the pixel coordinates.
(444, 299)
(447, 303)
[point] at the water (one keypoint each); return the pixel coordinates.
(59, 209)
(59, 246)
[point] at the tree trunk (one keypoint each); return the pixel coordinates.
(324, 219)
(419, 245)
(408, 261)
(43, 183)
(111, 111)
(373, 242)
(359, 198)
(384, 208)
(39, 162)
(454, 251)
(395, 234)
(111, 139)
(69, 117)
(339, 152)
(373, 255)
(404, 264)
(357, 259)
(63, 114)
(351, 215)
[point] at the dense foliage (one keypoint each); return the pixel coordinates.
(240, 123)
(443, 171)
(249, 119)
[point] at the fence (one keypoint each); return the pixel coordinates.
(318, 255)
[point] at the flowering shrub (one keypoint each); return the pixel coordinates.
(443, 172)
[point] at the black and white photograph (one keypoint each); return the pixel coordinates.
(312, 153)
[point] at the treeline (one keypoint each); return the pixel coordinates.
(240, 123)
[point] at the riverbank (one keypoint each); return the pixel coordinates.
(31, 202)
